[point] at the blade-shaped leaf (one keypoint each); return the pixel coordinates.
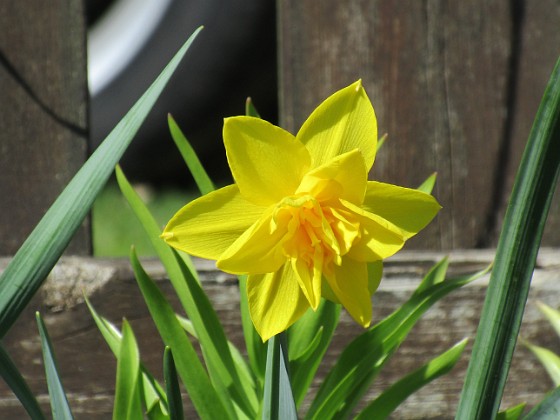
(548, 359)
(516, 255)
(11, 375)
(172, 386)
(363, 358)
(153, 391)
(391, 398)
(428, 185)
(278, 403)
(309, 339)
(127, 394)
(243, 370)
(59, 403)
(44, 246)
(209, 404)
(210, 332)
(201, 178)
(512, 413)
(552, 315)
(547, 409)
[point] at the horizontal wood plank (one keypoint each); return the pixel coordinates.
(88, 367)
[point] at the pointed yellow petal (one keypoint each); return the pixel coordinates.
(344, 176)
(343, 122)
(350, 285)
(410, 210)
(266, 161)
(310, 278)
(275, 301)
(257, 250)
(207, 226)
(380, 238)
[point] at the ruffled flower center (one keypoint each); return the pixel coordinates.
(317, 234)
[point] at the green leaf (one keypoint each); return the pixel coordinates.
(172, 386)
(59, 403)
(127, 394)
(381, 141)
(213, 341)
(11, 375)
(40, 252)
(364, 357)
(512, 413)
(243, 370)
(309, 340)
(391, 398)
(208, 403)
(201, 178)
(552, 315)
(516, 255)
(250, 109)
(547, 409)
(278, 401)
(548, 359)
(428, 185)
(153, 392)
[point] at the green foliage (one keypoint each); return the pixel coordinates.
(172, 386)
(515, 260)
(59, 404)
(391, 398)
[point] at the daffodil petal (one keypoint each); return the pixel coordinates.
(410, 210)
(275, 301)
(309, 278)
(379, 238)
(207, 226)
(350, 285)
(344, 176)
(257, 250)
(266, 161)
(343, 122)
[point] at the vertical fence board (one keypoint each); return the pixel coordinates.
(440, 75)
(43, 113)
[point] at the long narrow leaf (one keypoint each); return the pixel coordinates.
(309, 340)
(127, 393)
(547, 409)
(152, 390)
(515, 260)
(10, 373)
(552, 315)
(212, 338)
(391, 398)
(209, 404)
(201, 178)
(44, 246)
(278, 401)
(363, 358)
(548, 359)
(59, 403)
(172, 386)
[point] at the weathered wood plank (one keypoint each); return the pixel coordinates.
(43, 113)
(453, 86)
(88, 368)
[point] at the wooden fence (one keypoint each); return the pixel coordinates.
(454, 84)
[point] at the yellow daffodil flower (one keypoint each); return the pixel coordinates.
(302, 219)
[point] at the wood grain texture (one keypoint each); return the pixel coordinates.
(43, 113)
(88, 367)
(452, 85)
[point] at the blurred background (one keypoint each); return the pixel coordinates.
(129, 43)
